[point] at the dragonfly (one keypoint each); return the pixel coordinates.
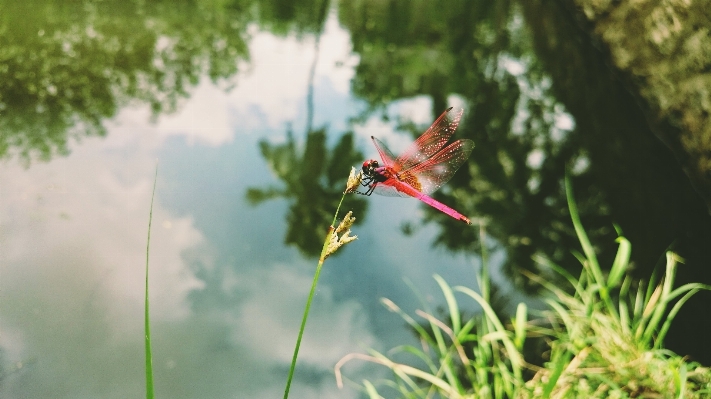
(423, 167)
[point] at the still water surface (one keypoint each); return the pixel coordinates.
(227, 293)
(254, 114)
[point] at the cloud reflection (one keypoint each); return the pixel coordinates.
(73, 254)
(72, 257)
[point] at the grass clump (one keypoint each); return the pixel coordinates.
(603, 336)
(598, 353)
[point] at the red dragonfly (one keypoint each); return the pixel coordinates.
(423, 168)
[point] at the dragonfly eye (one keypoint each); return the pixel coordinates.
(370, 165)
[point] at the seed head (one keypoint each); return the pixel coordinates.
(353, 181)
(341, 235)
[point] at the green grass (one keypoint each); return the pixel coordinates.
(146, 315)
(604, 336)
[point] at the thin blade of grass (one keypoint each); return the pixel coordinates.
(578, 225)
(520, 325)
(624, 317)
(451, 303)
(664, 297)
(560, 360)
(621, 262)
(445, 356)
(513, 353)
(464, 333)
(563, 314)
(437, 338)
(370, 390)
(652, 285)
(592, 262)
(439, 341)
(639, 300)
(542, 260)
(682, 382)
(421, 332)
(147, 320)
(404, 372)
(417, 353)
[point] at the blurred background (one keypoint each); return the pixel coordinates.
(254, 113)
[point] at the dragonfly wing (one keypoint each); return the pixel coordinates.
(388, 191)
(436, 171)
(385, 154)
(431, 141)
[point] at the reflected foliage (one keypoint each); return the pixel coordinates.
(283, 17)
(313, 180)
(69, 65)
(526, 70)
(482, 52)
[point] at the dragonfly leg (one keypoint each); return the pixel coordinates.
(370, 189)
(367, 182)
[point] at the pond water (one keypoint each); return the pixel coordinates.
(253, 114)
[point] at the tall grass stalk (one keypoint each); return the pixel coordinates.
(335, 238)
(146, 317)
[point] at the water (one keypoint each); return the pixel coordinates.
(279, 101)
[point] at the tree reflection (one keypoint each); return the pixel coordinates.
(69, 65)
(482, 52)
(314, 178)
(522, 66)
(283, 17)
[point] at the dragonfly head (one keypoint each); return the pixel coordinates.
(369, 167)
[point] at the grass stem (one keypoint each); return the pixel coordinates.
(149, 357)
(322, 258)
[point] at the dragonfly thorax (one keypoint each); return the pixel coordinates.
(373, 170)
(369, 167)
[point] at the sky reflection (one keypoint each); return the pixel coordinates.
(226, 294)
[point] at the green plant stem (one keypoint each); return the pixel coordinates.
(592, 265)
(321, 259)
(484, 276)
(149, 357)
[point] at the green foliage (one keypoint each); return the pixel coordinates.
(70, 65)
(283, 17)
(604, 346)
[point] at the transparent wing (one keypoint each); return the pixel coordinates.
(388, 191)
(430, 142)
(436, 171)
(385, 154)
